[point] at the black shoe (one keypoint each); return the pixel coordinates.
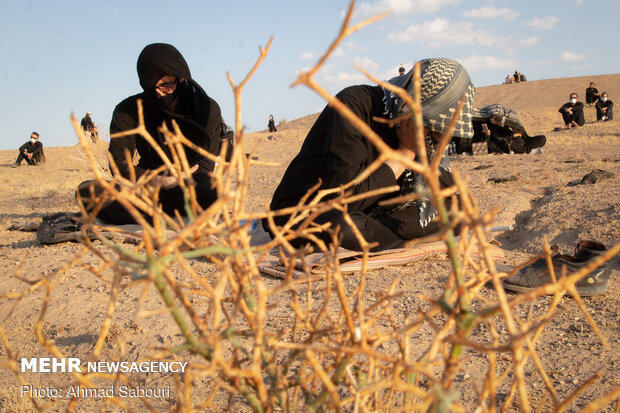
(537, 274)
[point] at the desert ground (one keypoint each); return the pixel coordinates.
(533, 196)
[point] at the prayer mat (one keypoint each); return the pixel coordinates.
(352, 261)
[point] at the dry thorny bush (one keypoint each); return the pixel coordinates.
(328, 352)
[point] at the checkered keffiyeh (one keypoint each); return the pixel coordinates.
(443, 83)
(503, 114)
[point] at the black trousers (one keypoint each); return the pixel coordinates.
(575, 117)
(609, 113)
(35, 160)
(516, 144)
(388, 231)
(172, 199)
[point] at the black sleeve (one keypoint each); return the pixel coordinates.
(124, 118)
(23, 147)
(210, 142)
(38, 148)
(348, 152)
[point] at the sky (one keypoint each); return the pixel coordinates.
(66, 57)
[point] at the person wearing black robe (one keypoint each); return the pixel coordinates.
(89, 128)
(31, 151)
(271, 124)
(572, 112)
(502, 139)
(335, 152)
(169, 94)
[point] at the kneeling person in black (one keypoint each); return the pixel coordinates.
(169, 94)
(334, 153)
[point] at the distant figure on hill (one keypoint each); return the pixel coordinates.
(522, 77)
(31, 151)
(500, 127)
(604, 108)
(170, 94)
(89, 128)
(572, 112)
(272, 124)
(508, 79)
(516, 78)
(335, 152)
(401, 70)
(591, 94)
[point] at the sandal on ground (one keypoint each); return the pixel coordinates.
(537, 274)
(60, 227)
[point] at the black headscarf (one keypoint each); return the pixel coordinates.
(197, 115)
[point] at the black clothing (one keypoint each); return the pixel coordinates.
(609, 112)
(334, 153)
(197, 115)
(503, 140)
(576, 116)
(36, 149)
(591, 95)
(89, 128)
(272, 125)
(87, 124)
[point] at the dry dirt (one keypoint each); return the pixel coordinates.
(537, 201)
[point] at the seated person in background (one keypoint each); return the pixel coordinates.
(522, 77)
(591, 94)
(508, 79)
(334, 153)
(169, 94)
(604, 108)
(572, 112)
(89, 128)
(31, 151)
(516, 78)
(501, 128)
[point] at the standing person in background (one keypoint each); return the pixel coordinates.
(271, 124)
(604, 108)
(31, 151)
(89, 128)
(591, 94)
(572, 112)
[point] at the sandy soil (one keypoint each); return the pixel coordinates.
(537, 201)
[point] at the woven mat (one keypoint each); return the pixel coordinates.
(352, 261)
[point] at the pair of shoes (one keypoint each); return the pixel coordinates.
(537, 274)
(61, 227)
(604, 118)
